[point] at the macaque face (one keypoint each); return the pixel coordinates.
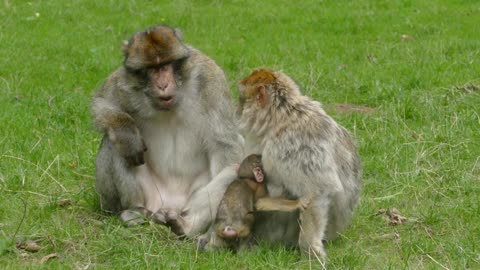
(155, 57)
(251, 168)
(163, 90)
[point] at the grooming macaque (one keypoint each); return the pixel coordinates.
(304, 153)
(169, 136)
(236, 213)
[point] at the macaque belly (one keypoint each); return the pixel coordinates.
(175, 165)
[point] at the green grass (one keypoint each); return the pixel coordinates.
(420, 150)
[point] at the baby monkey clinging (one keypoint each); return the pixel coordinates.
(236, 212)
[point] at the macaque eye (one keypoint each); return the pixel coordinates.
(162, 67)
(139, 72)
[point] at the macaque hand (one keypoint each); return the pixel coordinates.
(129, 144)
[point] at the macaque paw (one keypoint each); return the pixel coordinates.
(318, 252)
(131, 217)
(176, 222)
(136, 156)
(303, 203)
(315, 252)
(129, 144)
(262, 205)
(159, 217)
(202, 241)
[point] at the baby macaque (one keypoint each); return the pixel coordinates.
(236, 212)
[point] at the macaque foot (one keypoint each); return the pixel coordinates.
(202, 241)
(210, 241)
(176, 222)
(159, 217)
(316, 252)
(132, 217)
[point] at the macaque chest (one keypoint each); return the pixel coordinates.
(173, 149)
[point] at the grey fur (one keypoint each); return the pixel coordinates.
(305, 154)
(201, 134)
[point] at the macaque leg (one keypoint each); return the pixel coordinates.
(201, 208)
(313, 223)
(280, 204)
(117, 186)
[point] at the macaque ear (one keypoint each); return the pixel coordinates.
(178, 33)
(125, 46)
(262, 95)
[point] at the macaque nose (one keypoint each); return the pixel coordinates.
(162, 86)
(229, 232)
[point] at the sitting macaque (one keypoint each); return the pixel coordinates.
(305, 153)
(235, 216)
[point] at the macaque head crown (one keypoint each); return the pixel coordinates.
(156, 46)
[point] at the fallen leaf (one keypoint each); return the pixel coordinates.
(469, 88)
(407, 38)
(372, 58)
(24, 255)
(48, 257)
(392, 216)
(395, 217)
(73, 164)
(417, 136)
(29, 245)
(64, 202)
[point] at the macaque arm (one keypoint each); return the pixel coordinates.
(280, 204)
(224, 144)
(108, 115)
(201, 208)
(261, 192)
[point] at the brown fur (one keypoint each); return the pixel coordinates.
(235, 217)
(306, 155)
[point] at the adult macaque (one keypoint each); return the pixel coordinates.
(236, 212)
(169, 136)
(304, 153)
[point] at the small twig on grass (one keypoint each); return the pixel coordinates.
(21, 221)
(38, 167)
(431, 258)
(388, 196)
(29, 192)
(435, 261)
(84, 175)
(319, 260)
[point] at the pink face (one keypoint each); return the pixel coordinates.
(164, 87)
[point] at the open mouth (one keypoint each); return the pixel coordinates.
(168, 100)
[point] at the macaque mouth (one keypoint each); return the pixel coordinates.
(165, 102)
(166, 99)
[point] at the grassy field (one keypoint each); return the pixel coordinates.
(415, 64)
